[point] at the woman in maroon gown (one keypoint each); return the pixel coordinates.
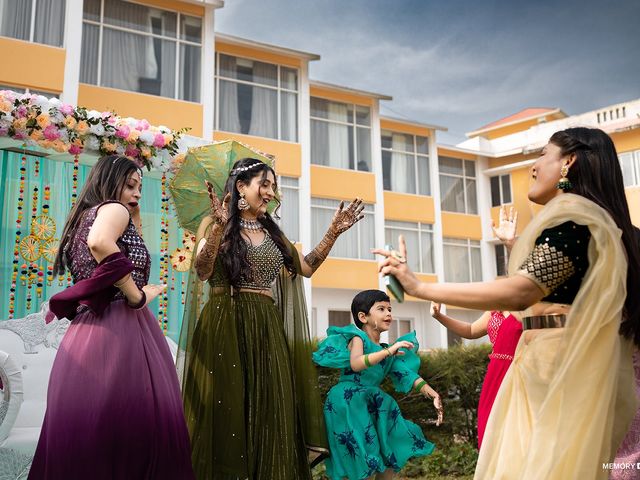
(113, 405)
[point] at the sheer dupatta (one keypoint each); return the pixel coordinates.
(586, 400)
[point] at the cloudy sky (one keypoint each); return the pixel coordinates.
(459, 63)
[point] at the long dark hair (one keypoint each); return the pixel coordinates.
(104, 182)
(596, 175)
(233, 249)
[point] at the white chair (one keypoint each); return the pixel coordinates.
(28, 347)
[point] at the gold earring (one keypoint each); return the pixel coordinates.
(242, 203)
(564, 184)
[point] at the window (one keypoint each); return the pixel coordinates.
(339, 318)
(405, 163)
(419, 239)
(468, 316)
(502, 260)
(462, 260)
(40, 21)
(340, 135)
(500, 190)
(256, 98)
(400, 327)
(630, 164)
(290, 209)
(355, 242)
(458, 185)
(141, 49)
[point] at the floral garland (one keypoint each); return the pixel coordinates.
(51, 124)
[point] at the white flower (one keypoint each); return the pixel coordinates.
(91, 143)
(131, 122)
(120, 149)
(55, 102)
(97, 129)
(25, 96)
(93, 114)
(156, 162)
(57, 117)
(40, 101)
(164, 129)
(147, 137)
(64, 135)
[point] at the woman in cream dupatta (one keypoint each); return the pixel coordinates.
(565, 404)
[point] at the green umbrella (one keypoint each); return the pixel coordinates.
(210, 162)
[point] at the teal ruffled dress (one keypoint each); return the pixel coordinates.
(366, 430)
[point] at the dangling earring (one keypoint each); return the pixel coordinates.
(564, 184)
(242, 203)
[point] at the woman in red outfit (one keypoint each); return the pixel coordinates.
(504, 332)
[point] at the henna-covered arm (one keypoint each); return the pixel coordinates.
(210, 234)
(342, 220)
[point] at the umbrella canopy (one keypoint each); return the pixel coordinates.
(210, 162)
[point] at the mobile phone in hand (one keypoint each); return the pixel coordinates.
(392, 283)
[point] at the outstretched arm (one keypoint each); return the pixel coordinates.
(343, 220)
(473, 330)
(513, 293)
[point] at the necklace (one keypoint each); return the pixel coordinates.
(251, 225)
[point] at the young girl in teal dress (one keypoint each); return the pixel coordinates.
(367, 435)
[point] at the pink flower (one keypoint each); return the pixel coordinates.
(75, 149)
(111, 120)
(123, 131)
(4, 131)
(21, 112)
(51, 133)
(20, 135)
(158, 140)
(131, 151)
(142, 125)
(66, 109)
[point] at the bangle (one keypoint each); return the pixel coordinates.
(388, 351)
(366, 360)
(420, 385)
(141, 303)
(122, 282)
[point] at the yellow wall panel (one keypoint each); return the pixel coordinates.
(288, 155)
(175, 6)
(257, 54)
(406, 207)
(31, 65)
(520, 180)
(459, 225)
(339, 96)
(175, 114)
(443, 152)
(627, 141)
(633, 197)
(340, 184)
(404, 128)
(346, 273)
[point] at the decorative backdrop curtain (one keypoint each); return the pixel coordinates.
(58, 175)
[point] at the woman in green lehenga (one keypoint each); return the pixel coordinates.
(250, 389)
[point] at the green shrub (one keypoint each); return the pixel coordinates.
(457, 374)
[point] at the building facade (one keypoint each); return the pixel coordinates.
(162, 60)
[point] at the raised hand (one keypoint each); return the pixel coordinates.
(395, 263)
(219, 210)
(435, 309)
(507, 225)
(345, 218)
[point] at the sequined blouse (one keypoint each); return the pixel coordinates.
(266, 260)
(81, 262)
(559, 261)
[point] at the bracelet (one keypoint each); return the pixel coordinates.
(388, 351)
(366, 360)
(141, 303)
(122, 282)
(420, 385)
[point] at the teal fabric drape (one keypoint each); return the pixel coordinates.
(59, 176)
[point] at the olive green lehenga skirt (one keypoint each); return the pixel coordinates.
(239, 393)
